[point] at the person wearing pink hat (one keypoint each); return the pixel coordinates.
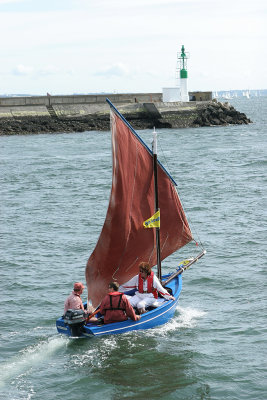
(74, 300)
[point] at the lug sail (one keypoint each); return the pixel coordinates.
(124, 242)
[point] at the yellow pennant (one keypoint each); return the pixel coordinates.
(152, 222)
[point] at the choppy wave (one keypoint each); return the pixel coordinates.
(185, 317)
(54, 196)
(30, 358)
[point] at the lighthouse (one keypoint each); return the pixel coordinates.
(182, 66)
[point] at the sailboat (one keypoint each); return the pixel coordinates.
(246, 94)
(227, 96)
(141, 186)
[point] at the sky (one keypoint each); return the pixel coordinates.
(120, 46)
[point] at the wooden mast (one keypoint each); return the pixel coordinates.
(155, 168)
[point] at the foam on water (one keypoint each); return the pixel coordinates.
(29, 358)
(96, 353)
(186, 319)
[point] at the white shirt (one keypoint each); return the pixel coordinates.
(133, 284)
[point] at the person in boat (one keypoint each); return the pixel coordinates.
(116, 307)
(74, 301)
(148, 288)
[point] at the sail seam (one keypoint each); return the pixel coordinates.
(130, 213)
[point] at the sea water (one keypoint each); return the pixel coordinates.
(54, 196)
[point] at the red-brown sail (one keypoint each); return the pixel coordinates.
(124, 242)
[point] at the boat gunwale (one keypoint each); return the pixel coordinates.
(129, 325)
(150, 316)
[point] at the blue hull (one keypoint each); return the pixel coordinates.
(151, 319)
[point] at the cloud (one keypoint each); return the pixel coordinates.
(46, 70)
(115, 70)
(23, 70)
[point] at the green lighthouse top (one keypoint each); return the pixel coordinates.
(182, 57)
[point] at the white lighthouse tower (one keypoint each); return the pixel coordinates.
(182, 67)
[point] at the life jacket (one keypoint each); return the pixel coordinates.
(119, 303)
(150, 288)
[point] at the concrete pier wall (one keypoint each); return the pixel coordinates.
(69, 106)
(36, 114)
(80, 99)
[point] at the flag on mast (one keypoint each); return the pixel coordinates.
(153, 222)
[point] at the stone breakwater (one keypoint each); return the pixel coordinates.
(58, 118)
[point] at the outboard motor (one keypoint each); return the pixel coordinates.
(75, 319)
